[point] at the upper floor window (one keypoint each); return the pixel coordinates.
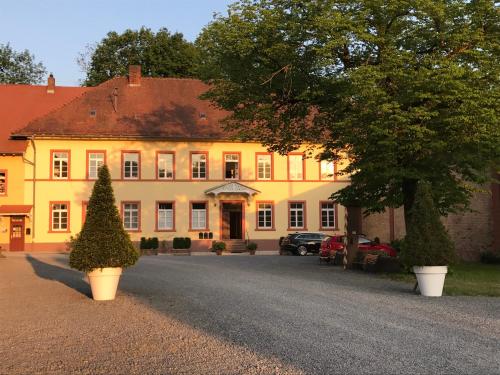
(264, 166)
(296, 215)
(3, 182)
(328, 215)
(131, 216)
(199, 166)
(131, 165)
(199, 216)
(265, 215)
(59, 216)
(95, 160)
(295, 167)
(165, 216)
(232, 166)
(60, 164)
(165, 165)
(327, 170)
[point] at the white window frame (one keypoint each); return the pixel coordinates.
(197, 161)
(295, 208)
(331, 219)
(165, 165)
(128, 216)
(327, 170)
(265, 209)
(58, 158)
(165, 216)
(232, 158)
(264, 165)
(58, 211)
(95, 164)
(296, 167)
(128, 167)
(198, 217)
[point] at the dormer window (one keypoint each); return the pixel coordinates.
(93, 113)
(203, 116)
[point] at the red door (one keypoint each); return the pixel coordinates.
(16, 233)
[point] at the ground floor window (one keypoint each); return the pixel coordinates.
(131, 216)
(165, 218)
(265, 215)
(296, 214)
(59, 216)
(3, 182)
(199, 215)
(328, 219)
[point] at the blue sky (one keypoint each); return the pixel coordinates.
(55, 31)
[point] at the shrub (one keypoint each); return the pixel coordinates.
(154, 243)
(143, 244)
(219, 245)
(490, 257)
(397, 244)
(181, 243)
(427, 242)
(187, 243)
(251, 246)
(102, 242)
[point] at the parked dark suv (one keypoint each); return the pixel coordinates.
(301, 243)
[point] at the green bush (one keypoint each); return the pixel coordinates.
(490, 257)
(143, 244)
(187, 243)
(397, 244)
(154, 243)
(427, 242)
(102, 242)
(219, 245)
(251, 246)
(181, 243)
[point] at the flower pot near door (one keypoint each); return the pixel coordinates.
(104, 282)
(431, 280)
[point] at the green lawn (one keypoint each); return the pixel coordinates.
(466, 279)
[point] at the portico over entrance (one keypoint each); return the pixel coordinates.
(231, 198)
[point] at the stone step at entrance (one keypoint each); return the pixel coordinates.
(235, 246)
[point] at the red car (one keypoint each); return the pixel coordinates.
(331, 245)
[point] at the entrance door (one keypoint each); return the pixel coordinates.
(232, 221)
(16, 233)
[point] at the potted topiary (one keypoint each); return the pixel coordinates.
(251, 247)
(103, 247)
(219, 247)
(427, 247)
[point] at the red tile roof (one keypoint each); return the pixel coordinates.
(20, 104)
(15, 209)
(158, 108)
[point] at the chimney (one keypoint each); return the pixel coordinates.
(51, 84)
(134, 75)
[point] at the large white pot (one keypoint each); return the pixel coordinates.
(431, 280)
(104, 282)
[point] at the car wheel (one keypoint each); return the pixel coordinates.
(302, 250)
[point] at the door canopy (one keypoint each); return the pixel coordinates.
(232, 188)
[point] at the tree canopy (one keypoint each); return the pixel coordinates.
(19, 67)
(408, 90)
(160, 54)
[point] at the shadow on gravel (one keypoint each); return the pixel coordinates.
(65, 276)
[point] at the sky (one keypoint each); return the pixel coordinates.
(56, 31)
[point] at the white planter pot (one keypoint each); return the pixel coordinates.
(431, 280)
(104, 282)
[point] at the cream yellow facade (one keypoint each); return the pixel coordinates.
(148, 190)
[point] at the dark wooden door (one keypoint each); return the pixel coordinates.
(235, 225)
(225, 224)
(16, 234)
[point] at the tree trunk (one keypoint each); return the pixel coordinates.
(409, 190)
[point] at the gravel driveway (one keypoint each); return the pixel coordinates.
(237, 315)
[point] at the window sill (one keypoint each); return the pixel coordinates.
(165, 230)
(296, 229)
(199, 230)
(330, 229)
(59, 231)
(265, 229)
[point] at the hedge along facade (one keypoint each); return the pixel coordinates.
(175, 172)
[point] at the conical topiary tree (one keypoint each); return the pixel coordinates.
(103, 242)
(427, 242)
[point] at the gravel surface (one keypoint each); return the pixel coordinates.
(237, 315)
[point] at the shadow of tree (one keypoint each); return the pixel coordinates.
(70, 278)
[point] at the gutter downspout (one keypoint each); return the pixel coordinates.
(32, 139)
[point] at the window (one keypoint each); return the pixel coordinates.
(95, 160)
(199, 166)
(264, 166)
(199, 216)
(296, 215)
(327, 215)
(131, 165)
(327, 170)
(165, 216)
(165, 165)
(265, 217)
(295, 167)
(59, 216)
(131, 216)
(232, 166)
(3, 182)
(60, 164)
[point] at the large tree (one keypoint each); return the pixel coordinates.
(161, 54)
(19, 67)
(408, 90)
